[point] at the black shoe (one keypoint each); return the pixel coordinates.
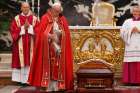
(24, 84)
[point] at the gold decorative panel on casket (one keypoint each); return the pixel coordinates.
(100, 42)
(94, 74)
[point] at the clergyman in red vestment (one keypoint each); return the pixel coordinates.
(22, 30)
(52, 65)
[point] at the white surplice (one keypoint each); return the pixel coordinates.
(132, 40)
(20, 75)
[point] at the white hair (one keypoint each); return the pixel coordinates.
(27, 3)
(132, 8)
(57, 4)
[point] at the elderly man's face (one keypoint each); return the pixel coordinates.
(136, 12)
(57, 10)
(25, 8)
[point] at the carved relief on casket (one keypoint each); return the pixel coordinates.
(104, 44)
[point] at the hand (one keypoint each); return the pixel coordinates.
(26, 25)
(135, 29)
(53, 37)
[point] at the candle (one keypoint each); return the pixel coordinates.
(38, 8)
(33, 5)
(38, 3)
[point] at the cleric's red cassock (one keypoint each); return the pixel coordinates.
(26, 39)
(131, 65)
(131, 72)
(40, 68)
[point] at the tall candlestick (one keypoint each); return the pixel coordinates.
(38, 8)
(33, 5)
(38, 3)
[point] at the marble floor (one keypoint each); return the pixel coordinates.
(30, 89)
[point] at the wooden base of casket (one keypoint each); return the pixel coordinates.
(84, 90)
(97, 77)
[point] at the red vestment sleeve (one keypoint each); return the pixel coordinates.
(69, 57)
(14, 30)
(36, 27)
(35, 75)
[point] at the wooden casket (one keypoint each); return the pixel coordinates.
(94, 76)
